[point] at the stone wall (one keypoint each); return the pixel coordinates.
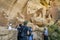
(6, 34)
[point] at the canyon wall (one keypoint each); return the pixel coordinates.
(36, 12)
(17, 11)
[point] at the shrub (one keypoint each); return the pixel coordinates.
(54, 32)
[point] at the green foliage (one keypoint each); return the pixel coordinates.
(54, 32)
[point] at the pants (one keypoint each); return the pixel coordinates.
(30, 37)
(45, 37)
(23, 38)
(18, 38)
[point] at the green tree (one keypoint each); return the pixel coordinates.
(54, 32)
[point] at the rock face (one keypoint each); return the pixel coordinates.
(6, 34)
(31, 10)
(36, 11)
(54, 9)
(14, 11)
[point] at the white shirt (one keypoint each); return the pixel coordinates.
(9, 28)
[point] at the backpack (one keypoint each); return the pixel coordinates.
(24, 31)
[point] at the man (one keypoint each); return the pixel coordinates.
(45, 33)
(30, 36)
(19, 31)
(24, 31)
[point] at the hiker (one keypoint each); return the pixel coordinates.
(9, 26)
(30, 36)
(24, 31)
(19, 31)
(45, 33)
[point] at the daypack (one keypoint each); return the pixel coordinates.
(24, 31)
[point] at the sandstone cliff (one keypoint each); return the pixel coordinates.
(15, 11)
(37, 12)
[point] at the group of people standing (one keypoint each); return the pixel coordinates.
(24, 32)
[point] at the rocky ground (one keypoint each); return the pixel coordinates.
(6, 34)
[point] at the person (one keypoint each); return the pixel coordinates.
(45, 33)
(24, 31)
(9, 26)
(30, 36)
(19, 32)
